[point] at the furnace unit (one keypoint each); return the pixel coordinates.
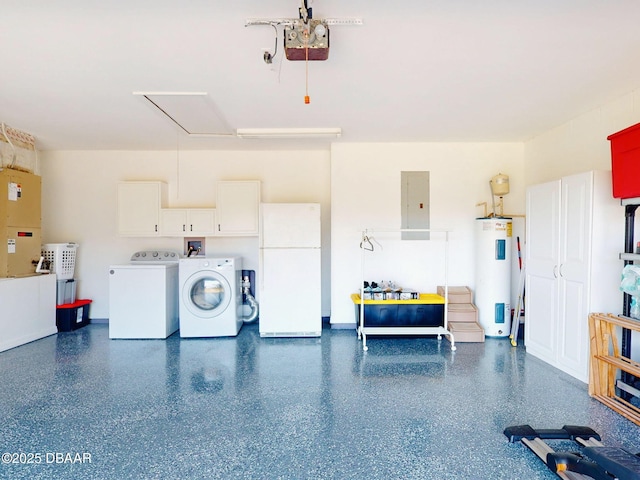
(20, 222)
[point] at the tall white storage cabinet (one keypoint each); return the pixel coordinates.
(574, 227)
(289, 277)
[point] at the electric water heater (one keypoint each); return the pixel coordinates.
(493, 275)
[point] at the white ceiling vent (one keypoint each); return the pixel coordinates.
(194, 112)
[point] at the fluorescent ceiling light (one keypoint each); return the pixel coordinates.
(289, 132)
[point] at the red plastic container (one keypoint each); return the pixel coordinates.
(71, 316)
(625, 162)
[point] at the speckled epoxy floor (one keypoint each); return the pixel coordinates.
(258, 408)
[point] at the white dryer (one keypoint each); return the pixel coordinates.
(143, 296)
(210, 296)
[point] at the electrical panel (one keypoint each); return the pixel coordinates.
(415, 194)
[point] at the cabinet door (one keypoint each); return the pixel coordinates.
(173, 222)
(187, 222)
(237, 207)
(574, 271)
(542, 246)
(139, 205)
(201, 221)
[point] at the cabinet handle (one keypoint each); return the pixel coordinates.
(555, 271)
(560, 269)
(184, 229)
(156, 227)
(191, 227)
(218, 227)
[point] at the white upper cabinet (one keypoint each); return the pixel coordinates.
(142, 211)
(139, 205)
(187, 222)
(201, 221)
(237, 208)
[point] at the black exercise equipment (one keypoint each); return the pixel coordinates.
(596, 461)
(568, 432)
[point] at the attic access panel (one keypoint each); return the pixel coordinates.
(194, 112)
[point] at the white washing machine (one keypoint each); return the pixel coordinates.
(143, 296)
(210, 296)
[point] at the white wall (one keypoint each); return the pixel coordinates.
(365, 194)
(358, 186)
(79, 202)
(581, 144)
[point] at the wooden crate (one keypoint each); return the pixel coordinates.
(606, 362)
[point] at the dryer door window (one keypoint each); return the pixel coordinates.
(208, 293)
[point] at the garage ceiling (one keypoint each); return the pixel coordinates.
(430, 70)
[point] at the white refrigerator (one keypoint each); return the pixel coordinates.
(289, 270)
